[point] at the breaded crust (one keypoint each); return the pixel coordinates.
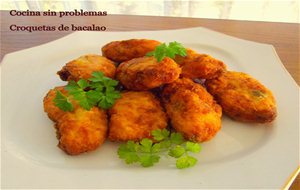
(82, 130)
(146, 73)
(192, 110)
(134, 116)
(200, 66)
(187, 84)
(243, 98)
(84, 66)
(120, 51)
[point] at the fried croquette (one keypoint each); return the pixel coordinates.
(84, 66)
(134, 116)
(200, 66)
(146, 73)
(120, 51)
(243, 98)
(192, 110)
(80, 130)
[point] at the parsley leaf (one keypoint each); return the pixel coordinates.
(192, 147)
(177, 151)
(83, 84)
(147, 153)
(146, 145)
(63, 102)
(160, 134)
(93, 96)
(185, 162)
(176, 138)
(166, 143)
(128, 152)
(149, 160)
(98, 90)
(163, 50)
(76, 89)
(177, 49)
(97, 77)
(156, 147)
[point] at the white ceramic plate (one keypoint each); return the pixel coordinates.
(240, 156)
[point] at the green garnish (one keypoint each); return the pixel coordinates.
(171, 50)
(147, 153)
(62, 102)
(96, 91)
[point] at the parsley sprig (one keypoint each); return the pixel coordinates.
(171, 50)
(96, 91)
(63, 102)
(147, 152)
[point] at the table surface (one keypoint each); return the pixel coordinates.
(283, 36)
